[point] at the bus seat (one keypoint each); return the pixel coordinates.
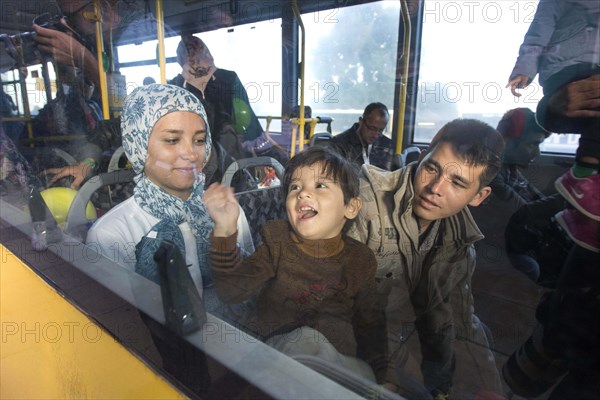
(113, 164)
(325, 120)
(69, 159)
(407, 156)
(262, 204)
(77, 223)
(245, 163)
(321, 139)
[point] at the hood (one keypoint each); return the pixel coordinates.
(593, 6)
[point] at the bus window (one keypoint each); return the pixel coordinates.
(35, 87)
(251, 50)
(147, 54)
(468, 50)
(351, 60)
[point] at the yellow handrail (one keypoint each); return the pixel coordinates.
(100, 56)
(403, 77)
(301, 119)
(160, 31)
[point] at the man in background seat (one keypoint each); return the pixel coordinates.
(364, 142)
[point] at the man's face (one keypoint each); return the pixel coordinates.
(444, 184)
(371, 126)
(524, 151)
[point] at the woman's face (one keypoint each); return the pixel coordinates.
(176, 152)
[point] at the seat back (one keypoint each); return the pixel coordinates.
(407, 156)
(68, 158)
(321, 139)
(262, 204)
(77, 223)
(246, 163)
(113, 164)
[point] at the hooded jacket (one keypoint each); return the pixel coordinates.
(563, 33)
(433, 278)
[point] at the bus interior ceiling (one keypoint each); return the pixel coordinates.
(180, 16)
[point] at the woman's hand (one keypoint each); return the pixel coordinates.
(223, 208)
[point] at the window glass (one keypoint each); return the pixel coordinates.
(34, 84)
(351, 60)
(468, 51)
(253, 51)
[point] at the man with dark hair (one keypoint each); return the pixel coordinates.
(522, 137)
(417, 223)
(364, 142)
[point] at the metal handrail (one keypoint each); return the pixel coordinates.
(404, 76)
(160, 30)
(100, 58)
(301, 119)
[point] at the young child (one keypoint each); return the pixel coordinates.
(563, 45)
(315, 285)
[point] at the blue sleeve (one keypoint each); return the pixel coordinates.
(537, 38)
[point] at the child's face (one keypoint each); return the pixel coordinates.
(176, 152)
(315, 204)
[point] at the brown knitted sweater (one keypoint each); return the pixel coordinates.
(326, 284)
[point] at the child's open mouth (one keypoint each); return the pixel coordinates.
(307, 212)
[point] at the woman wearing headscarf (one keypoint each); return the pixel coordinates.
(218, 88)
(167, 140)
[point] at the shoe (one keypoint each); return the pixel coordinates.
(582, 193)
(581, 229)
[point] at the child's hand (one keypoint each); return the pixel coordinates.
(518, 82)
(223, 208)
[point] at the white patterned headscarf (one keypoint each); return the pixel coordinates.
(143, 108)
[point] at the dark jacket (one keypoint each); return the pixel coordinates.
(348, 144)
(220, 93)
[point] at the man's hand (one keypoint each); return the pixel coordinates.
(78, 171)
(223, 208)
(517, 82)
(577, 99)
(66, 50)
